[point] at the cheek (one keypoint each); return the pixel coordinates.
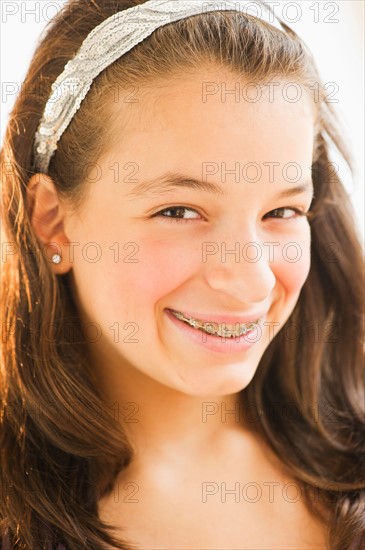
(293, 263)
(156, 269)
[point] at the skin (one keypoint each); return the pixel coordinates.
(163, 380)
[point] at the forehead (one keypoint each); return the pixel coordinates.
(212, 116)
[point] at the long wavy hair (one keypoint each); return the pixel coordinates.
(308, 390)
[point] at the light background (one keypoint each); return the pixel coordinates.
(334, 32)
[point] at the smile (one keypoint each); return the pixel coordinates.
(220, 329)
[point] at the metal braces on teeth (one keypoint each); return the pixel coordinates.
(220, 331)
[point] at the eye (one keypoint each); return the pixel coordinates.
(176, 213)
(282, 213)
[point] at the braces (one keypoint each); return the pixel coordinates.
(220, 331)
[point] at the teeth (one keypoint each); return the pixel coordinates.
(220, 329)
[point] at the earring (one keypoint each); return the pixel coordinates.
(56, 258)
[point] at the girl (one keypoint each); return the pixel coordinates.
(182, 322)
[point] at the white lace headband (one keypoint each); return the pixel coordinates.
(105, 44)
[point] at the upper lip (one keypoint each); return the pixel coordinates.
(219, 318)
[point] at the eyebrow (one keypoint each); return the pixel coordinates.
(172, 181)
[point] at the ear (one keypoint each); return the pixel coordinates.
(47, 220)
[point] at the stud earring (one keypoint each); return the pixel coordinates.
(56, 259)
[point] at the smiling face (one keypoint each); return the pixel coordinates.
(185, 247)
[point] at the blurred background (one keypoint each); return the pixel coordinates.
(333, 31)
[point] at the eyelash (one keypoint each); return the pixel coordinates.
(299, 213)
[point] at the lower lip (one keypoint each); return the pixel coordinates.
(217, 344)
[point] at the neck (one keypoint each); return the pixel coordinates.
(160, 420)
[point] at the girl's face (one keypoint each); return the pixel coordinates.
(230, 246)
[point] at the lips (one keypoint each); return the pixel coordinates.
(219, 318)
(213, 342)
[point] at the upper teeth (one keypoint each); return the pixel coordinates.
(222, 329)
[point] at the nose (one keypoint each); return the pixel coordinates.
(240, 269)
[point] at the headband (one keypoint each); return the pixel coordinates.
(105, 44)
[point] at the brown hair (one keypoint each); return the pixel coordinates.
(52, 470)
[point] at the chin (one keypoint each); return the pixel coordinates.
(218, 380)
